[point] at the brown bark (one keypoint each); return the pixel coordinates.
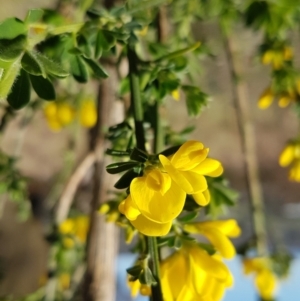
(102, 246)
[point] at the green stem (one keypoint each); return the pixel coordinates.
(136, 104)
(158, 131)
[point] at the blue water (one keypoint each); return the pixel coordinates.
(243, 290)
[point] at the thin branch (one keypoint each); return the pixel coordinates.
(248, 145)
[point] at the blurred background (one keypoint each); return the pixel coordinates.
(23, 250)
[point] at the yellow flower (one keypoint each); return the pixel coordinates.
(154, 201)
(265, 280)
(217, 233)
(88, 113)
(176, 94)
(277, 57)
(64, 280)
(136, 287)
(77, 226)
(188, 168)
(202, 277)
(284, 100)
(58, 115)
(294, 174)
(291, 156)
(266, 99)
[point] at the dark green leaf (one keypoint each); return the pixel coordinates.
(138, 155)
(98, 70)
(126, 179)
(257, 13)
(20, 95)
(43, 87)
(120, 167)
(117, 153)
(12, 49)
(79, 69)
(34, 15)
(84, 46)
(11, 28)
(51, 67)
(134, 271)
(31, 65)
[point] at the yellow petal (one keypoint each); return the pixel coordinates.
(266, 99)
(265, 282)
(189, 155)
(155, 206)
(228, 227)
(267, 57)
(294, 174)
(171, 267)
(218, 240)
(287, 53)
(210, 265)
(129, 208)
(150, 228)
(202, 198)
(208, 167)
(176, 174)
(287, 155)
(158, 181)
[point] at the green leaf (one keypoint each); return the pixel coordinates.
(51, 67)
(138, 155)
(12, 49)
(79, 69)
(126, 179)
(104, 41)
(31, 65)
(196, 100)
(8, 73)
(117, 153)
(11, 28)
(20, 95)
(134, 271)
(34, 15)
(43, 87)
(98, 70)
(120, 167)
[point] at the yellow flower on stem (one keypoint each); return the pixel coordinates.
(217, 232)
(154, 201)
(266, 98)
(188, 168)
(202, 277)
(88, 113)
(291, 156)
(265, 280)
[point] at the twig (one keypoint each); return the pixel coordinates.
(248, 144)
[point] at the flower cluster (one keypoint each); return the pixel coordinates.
(61, 114)
(158, 197)
(277, 57)
(284, 98)
(291, 156)
(202, 277)
(74, 230)
(265, 280)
